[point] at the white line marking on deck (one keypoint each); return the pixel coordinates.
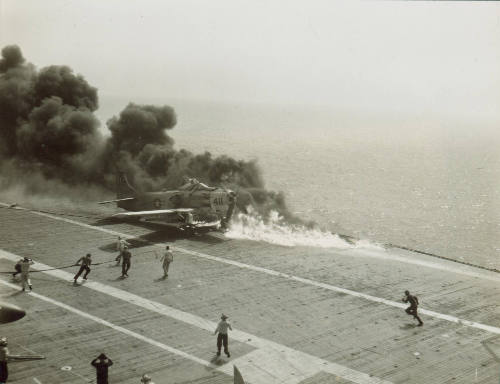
(300, 365)
(26, 349)
(333, 288)
(462, 269)
(113, 326)
(271, 272)
(37, 381)
(85, 379)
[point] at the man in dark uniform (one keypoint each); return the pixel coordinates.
(412, 309)
(17, 267)
(101, 364)
(4, 357)
(126, 256)
(84, 263)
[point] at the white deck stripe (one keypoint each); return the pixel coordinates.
(330, 287)
(383, 255)
(114, 326)
(461, 269)
(301, 365)
(333, 288)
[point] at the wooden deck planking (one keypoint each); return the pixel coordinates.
(291, 313)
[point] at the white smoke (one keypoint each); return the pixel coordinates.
(275, 230)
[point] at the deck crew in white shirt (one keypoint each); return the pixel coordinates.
(25, 272)
(222, 338)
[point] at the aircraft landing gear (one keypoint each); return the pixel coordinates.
(189, 230)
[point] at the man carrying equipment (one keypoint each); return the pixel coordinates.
(412, 309)
(25, 272)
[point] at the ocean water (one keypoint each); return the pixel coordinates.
(420, 182)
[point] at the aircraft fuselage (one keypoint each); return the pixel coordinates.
(204, 203)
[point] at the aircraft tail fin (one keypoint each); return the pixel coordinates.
(123, 187)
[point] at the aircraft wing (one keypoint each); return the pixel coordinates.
(201, 224)
(25, 357)
(183, 226)
(116, 200)
(155, 213)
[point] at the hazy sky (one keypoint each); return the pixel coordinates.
(392, 57)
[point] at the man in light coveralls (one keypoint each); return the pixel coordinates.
(120, 247)
(25, 272)
(167, 258)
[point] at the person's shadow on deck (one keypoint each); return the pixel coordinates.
(408, 326)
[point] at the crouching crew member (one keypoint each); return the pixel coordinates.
(84, 263)
(412, 309)
(222, 338)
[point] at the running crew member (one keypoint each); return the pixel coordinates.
(86, 261)
(412, 309)
(17, 267)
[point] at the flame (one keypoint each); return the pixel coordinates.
(275, 230)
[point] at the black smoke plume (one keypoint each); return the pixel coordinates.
(16, 96)
(50, 140)
(61, 82)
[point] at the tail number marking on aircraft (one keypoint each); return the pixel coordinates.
(218, 201)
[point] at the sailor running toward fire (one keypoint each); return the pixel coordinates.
(412, 309)
(84, 263)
